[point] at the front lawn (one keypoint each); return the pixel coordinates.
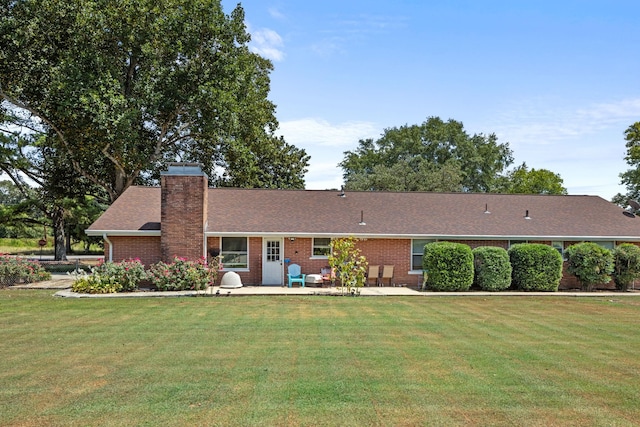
(318, 361)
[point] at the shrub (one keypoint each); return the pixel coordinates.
(96, 283)
(18, 270)
(128, 273)
(181, 275)
(110, 277)
(492, 268)
(590, 263)
(626, 260)
(449, 266)
(535, 267)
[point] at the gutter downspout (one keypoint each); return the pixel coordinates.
(106, 239)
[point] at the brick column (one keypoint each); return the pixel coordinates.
(183, 211)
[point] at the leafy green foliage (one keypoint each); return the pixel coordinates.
(417, 175)
(438, 151)
(523, 180)
(590, 263)
(631, 178)
(181, 275)
(19, 270)
(536, 267)
(121, 88)
(111, 277)
(626, 259)
(96, 283)
(350, 267)
(492, 268)
(449, 266)
(128, 273)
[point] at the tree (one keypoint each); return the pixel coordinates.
(31, 159)
(425, 151)
(350, 267)
(631, 178)
(122, 88)
(521, 180)
(417, 175)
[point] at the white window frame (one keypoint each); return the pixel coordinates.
(222, 252)
(414, 254)
(314, 247)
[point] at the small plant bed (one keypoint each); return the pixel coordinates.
(16, 270)
(131, 275)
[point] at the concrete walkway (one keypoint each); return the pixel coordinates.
(62, 283)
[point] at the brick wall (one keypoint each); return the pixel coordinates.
(147, 248)
(183, 215)
(254, 275)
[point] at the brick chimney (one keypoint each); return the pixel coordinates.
(183, 213)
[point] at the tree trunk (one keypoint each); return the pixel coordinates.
(68, 242)
(60, 251)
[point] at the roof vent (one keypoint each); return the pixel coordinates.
(342, 192)
(486, 209)
(362, 219)
(526, 214)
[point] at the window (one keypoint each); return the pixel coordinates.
(607, 245)
(559, 246)
(417, 251)
(321, 246)
(516, 242)
(234, 253)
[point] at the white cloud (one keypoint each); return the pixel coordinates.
(325, 143)
(276, 13)
(313, 132)
(267, 43)
(536, 123)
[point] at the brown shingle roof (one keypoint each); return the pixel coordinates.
(313, 212)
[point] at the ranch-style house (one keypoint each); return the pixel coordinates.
(259, 231)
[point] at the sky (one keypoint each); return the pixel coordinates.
(556, 80)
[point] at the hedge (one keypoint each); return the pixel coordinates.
(492, 268)
(449, 266)
(626, 259)
(590, 263)
(536, 267)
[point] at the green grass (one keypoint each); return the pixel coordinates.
(29, 246)
(318, 361)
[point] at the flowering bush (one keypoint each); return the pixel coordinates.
(129, 273)
(18, 270)
(110, 277)
(181, 275)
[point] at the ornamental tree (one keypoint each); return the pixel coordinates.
(350, 267)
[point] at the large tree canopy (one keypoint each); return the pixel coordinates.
(122, 87)
(631, 178)
(440, 152)
(523, 180)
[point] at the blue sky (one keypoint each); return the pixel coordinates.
(558, 80)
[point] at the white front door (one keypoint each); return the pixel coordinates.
(272, 262)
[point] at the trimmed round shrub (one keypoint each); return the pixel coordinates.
(449, 266)
(590, 263)
(492, 268)
(536, 267)
(626, 260)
